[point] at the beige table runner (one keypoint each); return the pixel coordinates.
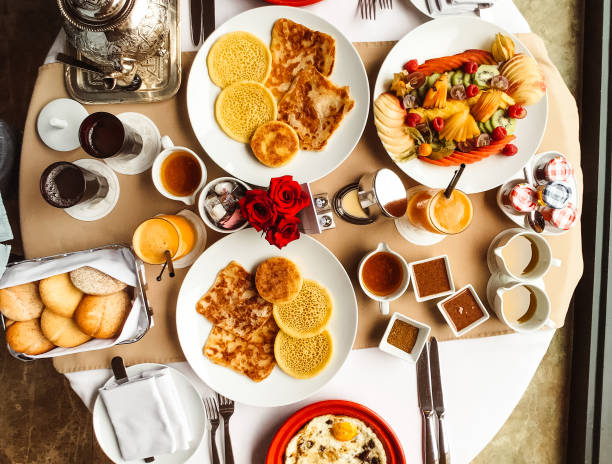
(47, 230)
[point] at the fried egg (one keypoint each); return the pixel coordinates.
(335, 439)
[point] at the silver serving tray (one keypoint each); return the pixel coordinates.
(145, 319)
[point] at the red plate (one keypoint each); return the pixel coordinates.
(393, 448)
(293, 2)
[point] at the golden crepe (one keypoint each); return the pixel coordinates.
(314, 106)
(295, 47)
(253, 357)
(275, 143)
(242, 107)
(232, 303)
(238, 56)
(303, 358)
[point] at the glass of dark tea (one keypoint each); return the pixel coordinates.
(103, 135)
(65, 184)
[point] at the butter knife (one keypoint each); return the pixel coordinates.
(430, 447)
(438, 400)
(196, 21)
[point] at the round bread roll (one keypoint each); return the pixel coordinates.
(275, 143)
(303, 358)
(103, 316)
(59, 295)
(27, 337)
(278, 280)
(21, 302)
(61, 330)
(94, 282)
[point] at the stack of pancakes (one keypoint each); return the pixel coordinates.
(247, 314)
(295, 72)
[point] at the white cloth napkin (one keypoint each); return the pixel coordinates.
(147, 415)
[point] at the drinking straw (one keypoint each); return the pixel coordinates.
(453, 183)
(167, 263)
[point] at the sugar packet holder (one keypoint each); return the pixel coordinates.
(118, 261)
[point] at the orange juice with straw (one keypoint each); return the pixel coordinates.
(430, 210)
(163, 233)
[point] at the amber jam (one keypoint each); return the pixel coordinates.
(382, 273)
(181, 173)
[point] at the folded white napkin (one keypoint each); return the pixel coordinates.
(147, 415)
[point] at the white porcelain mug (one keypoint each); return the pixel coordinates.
(497, 262)
(383, 301)
(169, 148)
(499, 284)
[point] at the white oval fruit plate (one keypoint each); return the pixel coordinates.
(447, 36)
(249, 249)
(236, 158)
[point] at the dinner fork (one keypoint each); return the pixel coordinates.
(385, 4)
(213, 418)
(368, 9)
(226, 408)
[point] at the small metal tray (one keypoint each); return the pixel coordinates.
(161, 75)
(145, 319)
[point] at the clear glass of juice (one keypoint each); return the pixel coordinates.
(431, 211)
(162, 233)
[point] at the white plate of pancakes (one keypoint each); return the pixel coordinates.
(236, 157)
(447, 36)
(248, 248)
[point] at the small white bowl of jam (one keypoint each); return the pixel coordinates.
(404, 337)
(384, 276)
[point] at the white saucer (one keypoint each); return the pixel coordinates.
(151, 145)
(58, 124)
(192, 404)
(416, 236)
(97, 209)
(200, 243)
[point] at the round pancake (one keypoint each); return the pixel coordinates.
(243, 107)
(307, 314)
(278, 280)
(238, 56)
(303, 358)
(275, 143)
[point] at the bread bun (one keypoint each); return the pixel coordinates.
(102, 316)
(27, 337)
(59, 295)
(278, 280)
(21, 302)
(94, 282)
(61, 330)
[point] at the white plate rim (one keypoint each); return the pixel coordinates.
(439, 24)
(342, 274)
(361, 107)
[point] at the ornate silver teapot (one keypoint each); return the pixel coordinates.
(116, 33)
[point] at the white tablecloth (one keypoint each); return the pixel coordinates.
(483, 378)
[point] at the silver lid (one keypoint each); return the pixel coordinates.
(383, 192)
(96, 15)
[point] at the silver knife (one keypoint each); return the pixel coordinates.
(208, 17)
(438, 401)
(430, 446)
(196, 21)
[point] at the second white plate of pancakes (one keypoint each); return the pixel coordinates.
(347, 73)
(249, 249)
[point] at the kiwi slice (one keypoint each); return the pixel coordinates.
(484, 74)
(457, 78)
(451, 76)
(421, 91)
(482, 127)
(467, 79)
(431, 80)
(499, 119)
(489, 126)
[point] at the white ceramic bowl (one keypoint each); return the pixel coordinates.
(449, 321)
(422, 338)
(202, 211)
(435, 295)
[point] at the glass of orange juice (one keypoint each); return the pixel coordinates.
(162, 233)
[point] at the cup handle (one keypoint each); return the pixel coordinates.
(384, 307)
(555, 262)
(166, 142)
(549, 324)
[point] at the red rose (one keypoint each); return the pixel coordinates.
(287, 195)
(257, 207)
(284, 232)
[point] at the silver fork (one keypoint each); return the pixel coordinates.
(368, 9)
(213, 418)
(226, 408)
(385, 4)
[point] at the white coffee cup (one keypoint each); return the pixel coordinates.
(499, 284)
(497, 262)
(169, 148)
(383, 301)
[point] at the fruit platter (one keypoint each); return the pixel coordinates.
(477, 98)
